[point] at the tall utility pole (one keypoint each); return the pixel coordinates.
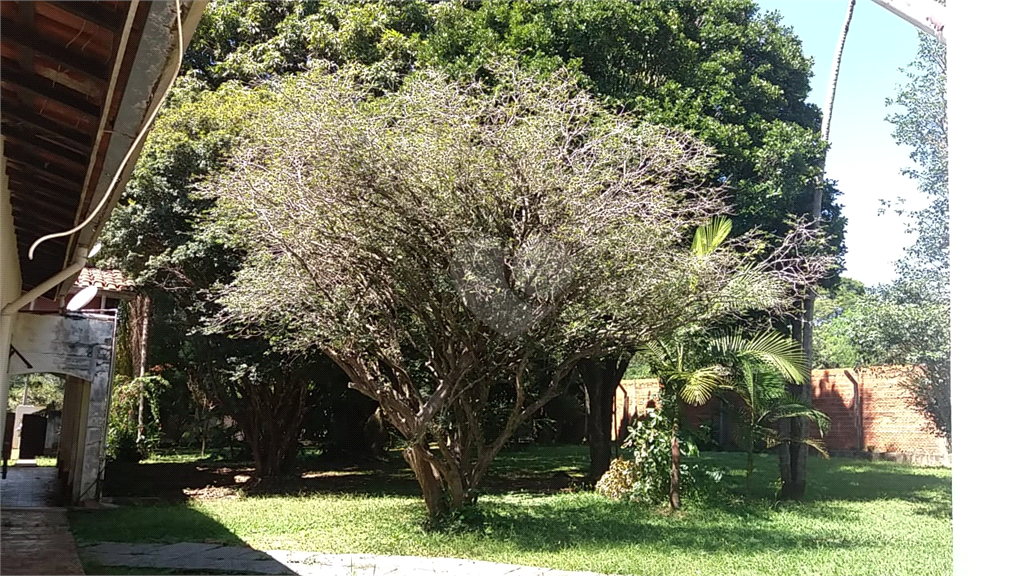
(929, 17)
(793, 454)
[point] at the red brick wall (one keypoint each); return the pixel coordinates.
(888, 422)
(832, 393)
(631, 398)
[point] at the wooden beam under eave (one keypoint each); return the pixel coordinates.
(16, 150)
(62, 57)
(17, 168)
(69, 138)
(43, 194)
(92, 13)
(54, 222)
(25, 83)
(34, 140)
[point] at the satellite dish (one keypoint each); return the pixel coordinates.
(95, 250)
(83, 297)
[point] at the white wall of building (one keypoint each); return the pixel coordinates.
(10, 276)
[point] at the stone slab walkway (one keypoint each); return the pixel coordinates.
(237, 560)
(29, 486)
(37, 541)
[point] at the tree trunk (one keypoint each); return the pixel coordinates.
(140, 310)
(750, 470)
(673, 491)
(793, 456)
(600, 379)
(430, 481)
(270, 414)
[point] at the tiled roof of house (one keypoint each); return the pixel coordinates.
(109, 280)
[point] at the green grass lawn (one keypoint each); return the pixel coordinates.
(860, 518)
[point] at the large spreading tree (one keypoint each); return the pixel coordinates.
(732, 76)
(434, 241)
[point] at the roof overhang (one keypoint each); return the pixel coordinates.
(79, 80)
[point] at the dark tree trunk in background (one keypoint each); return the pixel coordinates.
(352, 426)
(673, 490)
(793, 455)
(270, 415)
(600, 379)
(141, 311)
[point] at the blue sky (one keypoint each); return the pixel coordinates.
(863, 158)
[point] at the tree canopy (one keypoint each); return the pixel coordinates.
(433, 240)
(732, 75)
(729, 76)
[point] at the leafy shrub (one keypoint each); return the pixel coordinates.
(650, 442)
(124, 417)
(618, 481)
(122, 447)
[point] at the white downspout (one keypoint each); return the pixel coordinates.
(76, 266)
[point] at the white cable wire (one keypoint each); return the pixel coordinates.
(131, 150)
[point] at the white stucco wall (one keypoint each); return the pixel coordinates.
(10, 276)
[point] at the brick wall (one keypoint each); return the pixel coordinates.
(869, 410)
(632, 398)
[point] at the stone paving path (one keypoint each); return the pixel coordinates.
(29, 486)
(34, 537)
(37, 541)
(237, 560)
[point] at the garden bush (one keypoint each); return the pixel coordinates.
(618, 481)
(647, 477)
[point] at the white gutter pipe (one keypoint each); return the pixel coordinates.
(927, 15)
(76, 266)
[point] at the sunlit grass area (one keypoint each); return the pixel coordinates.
(860, 518)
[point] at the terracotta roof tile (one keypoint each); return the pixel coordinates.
(109, 280)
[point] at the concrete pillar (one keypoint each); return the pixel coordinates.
(53, 419)
(10, 279)
(80, 481)
(67, 450)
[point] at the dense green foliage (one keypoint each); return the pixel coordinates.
(437, 240)
(749, 375)
(919, 122)
(42, 390)
(720, 69)
(732, 75)
(650, 445)
(156, 236)
(131, 437)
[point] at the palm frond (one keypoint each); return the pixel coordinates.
(702, 383)
(791, 407)
(818, 445)
(770, 348)
(711, 235)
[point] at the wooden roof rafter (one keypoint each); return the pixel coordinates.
(79, 79)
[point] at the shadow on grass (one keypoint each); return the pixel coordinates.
(179, 540)
(543, 471)
(549, 470)
(165, 523)
(842, 480)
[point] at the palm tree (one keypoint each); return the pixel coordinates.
(755, 372)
